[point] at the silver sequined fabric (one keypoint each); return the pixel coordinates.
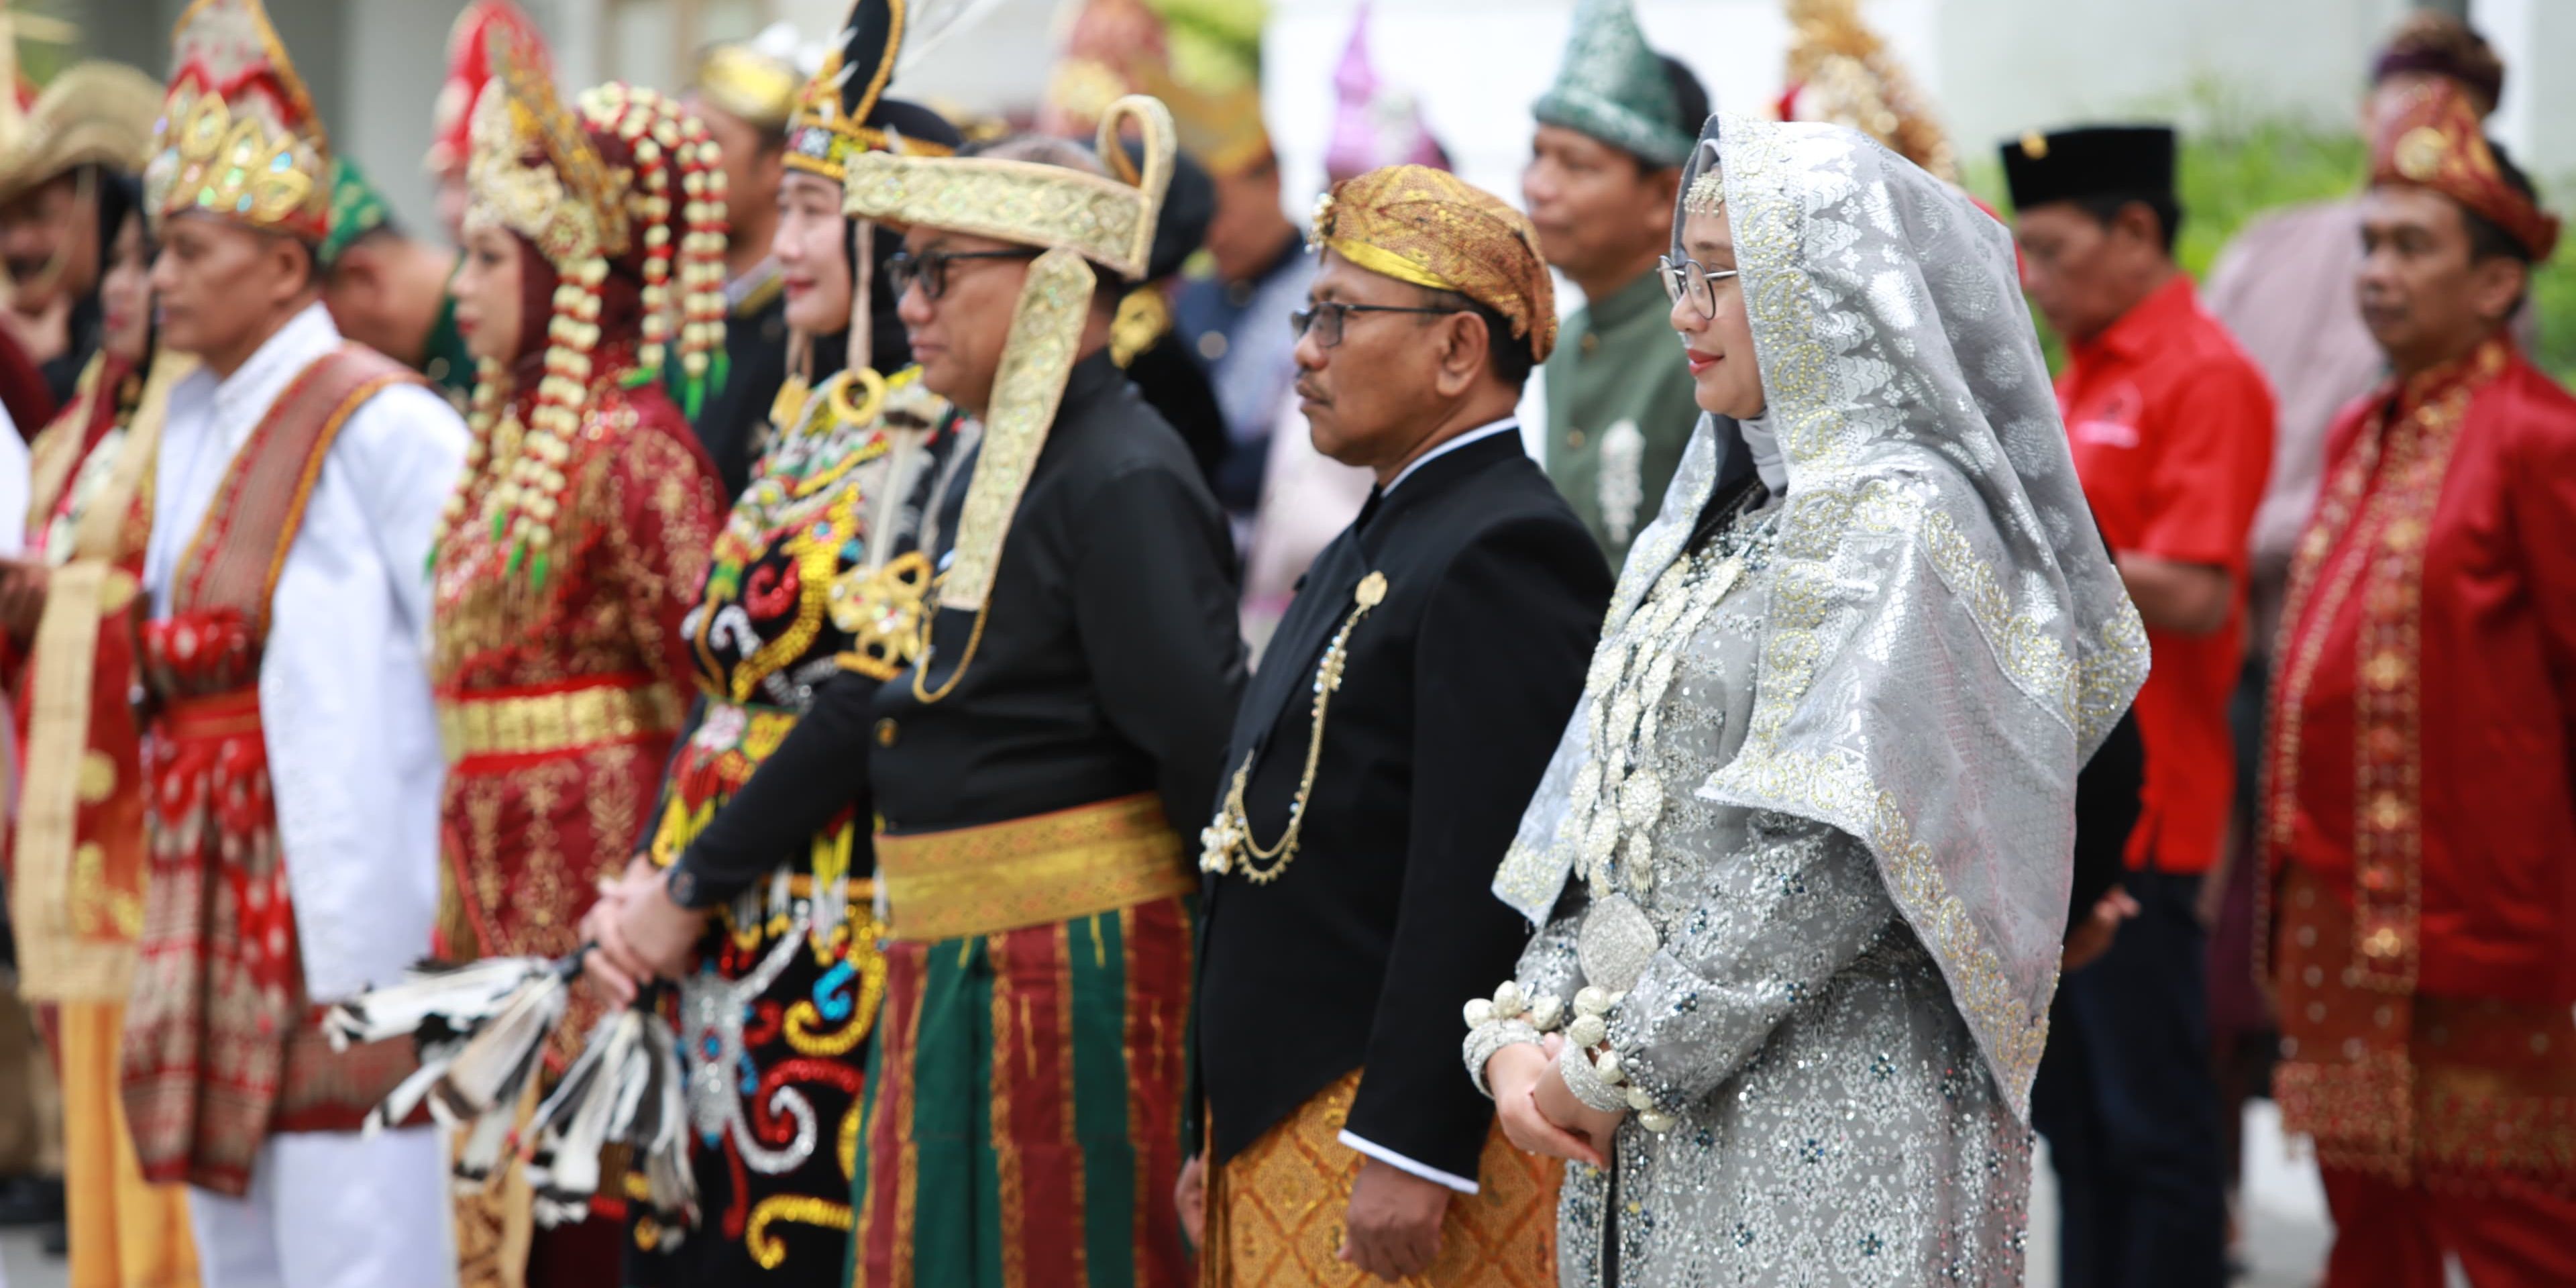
(1836, 1126)
(1944, 639)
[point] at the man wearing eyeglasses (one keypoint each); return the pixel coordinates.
(1379, 765)
(1034, 772)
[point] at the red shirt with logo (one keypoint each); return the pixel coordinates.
(2171, 426)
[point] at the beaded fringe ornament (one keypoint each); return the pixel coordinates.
(1707, 195)
(529, 462)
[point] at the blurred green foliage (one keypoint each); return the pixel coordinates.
(2241, 168)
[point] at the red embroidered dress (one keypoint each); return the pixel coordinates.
(558, 701)
(219, 1048)
(80, 816)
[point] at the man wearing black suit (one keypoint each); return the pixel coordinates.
(1379, 765)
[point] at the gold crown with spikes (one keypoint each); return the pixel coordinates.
(238, 136)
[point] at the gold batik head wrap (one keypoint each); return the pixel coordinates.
(1435, 230)
(755, 81)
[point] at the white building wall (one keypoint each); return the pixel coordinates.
(1995, 67)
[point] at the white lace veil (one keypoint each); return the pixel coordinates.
(1948, 641)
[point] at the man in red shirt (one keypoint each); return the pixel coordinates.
(2421, 753)
(2171, 427)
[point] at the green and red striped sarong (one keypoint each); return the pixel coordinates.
(1024, 1098)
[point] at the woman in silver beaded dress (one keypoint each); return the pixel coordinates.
(1800, 865)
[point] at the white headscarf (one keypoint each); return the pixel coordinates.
(1947, 641)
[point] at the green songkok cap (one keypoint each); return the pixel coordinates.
(1613, 88)
(357, 209)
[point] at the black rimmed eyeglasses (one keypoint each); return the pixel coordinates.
(930, 268)
(1693, 279)
(1326, 318)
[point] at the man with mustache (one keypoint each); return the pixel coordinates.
(1603, 174)
(1032, 769)
(2420, 778)
(296, 764)
(93, 120)
(1379, 765)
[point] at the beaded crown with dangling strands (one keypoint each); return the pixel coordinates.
(537, 170)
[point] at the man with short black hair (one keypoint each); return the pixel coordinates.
(1603, 176)
(2171, 428)
(2420, 753)
(296, 764)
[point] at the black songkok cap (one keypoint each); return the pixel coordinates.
(2090, 161)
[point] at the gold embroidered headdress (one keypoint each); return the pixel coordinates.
(1438, 231)
(626, 178)
(756, 80)
(238, 137)
(1106, 219)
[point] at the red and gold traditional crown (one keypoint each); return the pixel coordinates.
(469, 69)
(238, 136)
(2433, 140)
(1201, 58)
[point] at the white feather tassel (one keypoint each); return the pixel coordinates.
(496, 1063)
(461, 998)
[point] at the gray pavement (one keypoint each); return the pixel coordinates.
(2285, 1216)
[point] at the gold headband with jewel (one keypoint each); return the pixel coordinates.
(1107, 219)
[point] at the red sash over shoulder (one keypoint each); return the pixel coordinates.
(220, 1044)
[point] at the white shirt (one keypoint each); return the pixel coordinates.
(14, 486)
(1507, 425)
(344, 695)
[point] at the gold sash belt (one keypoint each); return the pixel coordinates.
(1030, 871)
(556, 718)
